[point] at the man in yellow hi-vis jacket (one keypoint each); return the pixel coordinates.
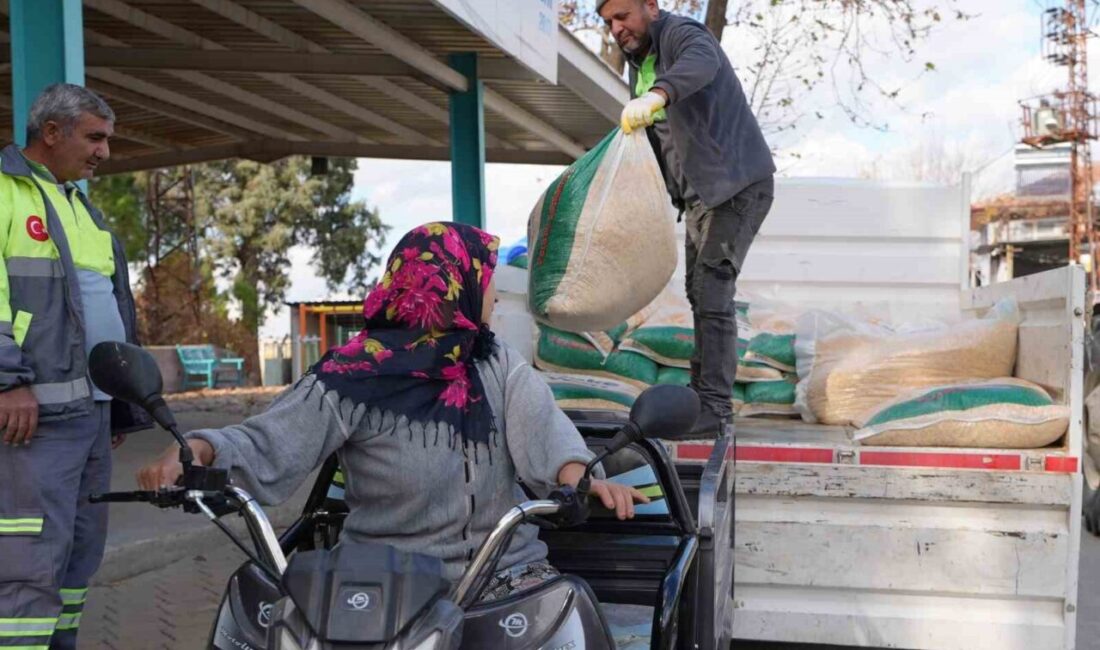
(63, 288)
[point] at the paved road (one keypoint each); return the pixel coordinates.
(168, 609)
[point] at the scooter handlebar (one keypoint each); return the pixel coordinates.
(172, 497)
(122, 497)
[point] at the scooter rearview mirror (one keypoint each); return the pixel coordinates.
(129, 373)
(666, 412)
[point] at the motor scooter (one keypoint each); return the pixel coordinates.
(377, 597)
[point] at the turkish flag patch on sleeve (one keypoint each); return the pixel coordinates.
(36, 229)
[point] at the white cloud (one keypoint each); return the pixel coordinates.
(967, 106)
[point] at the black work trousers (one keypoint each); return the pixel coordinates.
(716, 244)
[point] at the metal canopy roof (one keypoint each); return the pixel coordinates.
(197, 80)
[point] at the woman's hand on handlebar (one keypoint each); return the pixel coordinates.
(614, 496)
(617, 497)
(166, 469)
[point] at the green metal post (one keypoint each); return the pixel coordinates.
(47, 46)
(468, 144)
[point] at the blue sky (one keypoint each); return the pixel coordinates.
(962, 115)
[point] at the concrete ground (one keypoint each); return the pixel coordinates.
(165, 571)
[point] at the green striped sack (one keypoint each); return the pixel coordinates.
(602, 238)
(770, 398)
(572, 391)
(775, 350)
(601, 341)
(668, 339)
(569, 353)
(682, 377)
(1004, 413)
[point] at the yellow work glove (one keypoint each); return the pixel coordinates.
(638, 112)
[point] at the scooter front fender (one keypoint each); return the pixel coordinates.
(561, 614)
(245, 611)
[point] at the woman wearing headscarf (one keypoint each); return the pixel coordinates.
(435, 422)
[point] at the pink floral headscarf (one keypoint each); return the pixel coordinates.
(415, 355)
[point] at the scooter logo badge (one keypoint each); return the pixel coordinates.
(359, 601)
(263, 617)
(515, 625)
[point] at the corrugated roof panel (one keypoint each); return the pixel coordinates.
(418, 20)
(205, 95)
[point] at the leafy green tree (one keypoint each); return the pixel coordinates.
(238, 220)
(120, 198)
(257, 212)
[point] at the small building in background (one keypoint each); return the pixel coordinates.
(317, 326)
(1027, 231)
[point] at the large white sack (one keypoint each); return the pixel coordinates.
(847, 367)
(603, 244)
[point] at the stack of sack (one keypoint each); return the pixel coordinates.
(927, 385)
(609, 369)
(766, 368)
(923, 385)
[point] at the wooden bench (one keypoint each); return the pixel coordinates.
(201, 366)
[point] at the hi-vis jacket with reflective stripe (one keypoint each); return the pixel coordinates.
(41, 317)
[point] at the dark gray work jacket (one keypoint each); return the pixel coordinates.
(51, 358)
(714, 132)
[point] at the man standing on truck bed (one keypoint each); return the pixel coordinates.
(717, 167)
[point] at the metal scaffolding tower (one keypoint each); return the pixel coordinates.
(1069, 116)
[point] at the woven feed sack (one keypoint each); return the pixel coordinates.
(681, 377)
(848, 367)
(568, 353)
(999, 414)
(664, 332)
(771, 333)
(573, 391)
(747, 370)
(602, 341)
(606, 342)
(774, 350)
(602, 238)
(667, 334)
(769, 398)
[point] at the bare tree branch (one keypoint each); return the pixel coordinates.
(785, 50)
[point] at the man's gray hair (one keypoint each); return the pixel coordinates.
(64, 104)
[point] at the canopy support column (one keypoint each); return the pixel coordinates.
(468, 144)
(47, 47)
